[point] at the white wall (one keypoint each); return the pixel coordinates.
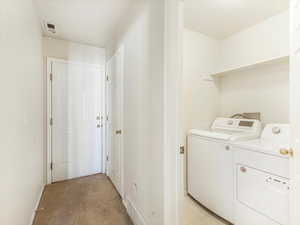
(74, 52)
(70, 51)
(265, 90)
(21, 130)
(201, 97)
(266, 40)
(143, 112)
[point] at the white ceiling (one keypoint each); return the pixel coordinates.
(91, 22)
(221, 18)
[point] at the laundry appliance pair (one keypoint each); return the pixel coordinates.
(240, 173)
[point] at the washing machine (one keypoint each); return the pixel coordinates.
(210, 162)
(262, 178)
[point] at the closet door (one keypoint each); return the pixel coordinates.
(115, 93)
(295, 110)
(117, 127)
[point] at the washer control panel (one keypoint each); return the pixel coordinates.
(241, 125)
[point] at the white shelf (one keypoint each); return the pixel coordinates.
(252, 66)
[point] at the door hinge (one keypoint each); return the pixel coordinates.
(182, 150)
(107, 78)
(51, 166)
(51, 121)
(51, 76)
(107, 158)
(107, 118)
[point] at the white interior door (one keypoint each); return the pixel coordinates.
(295, 109)
(115, 86)
(77, 106)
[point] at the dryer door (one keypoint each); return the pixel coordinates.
(265, 194)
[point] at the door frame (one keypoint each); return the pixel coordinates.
(50, 60)
(121, 51)
(294, 110)
(173, 133)
(108, 118)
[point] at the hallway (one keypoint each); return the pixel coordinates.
(83, 93)
(89, 200)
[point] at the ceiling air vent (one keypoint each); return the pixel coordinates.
(50, 28)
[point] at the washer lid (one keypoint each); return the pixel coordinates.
(211, 134)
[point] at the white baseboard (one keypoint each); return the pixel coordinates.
(135, 215)
(37, 205)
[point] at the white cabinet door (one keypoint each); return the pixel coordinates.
(77, 99)
(295, 109)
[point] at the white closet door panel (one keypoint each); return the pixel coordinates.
(117, 121)
(115, 125)
(115, 85)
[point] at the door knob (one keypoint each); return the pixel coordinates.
(99, 125)
(284, 151)
(119, 132)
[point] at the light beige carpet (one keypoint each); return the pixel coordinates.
(85, 201)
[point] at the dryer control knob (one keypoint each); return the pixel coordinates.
(276, 130)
